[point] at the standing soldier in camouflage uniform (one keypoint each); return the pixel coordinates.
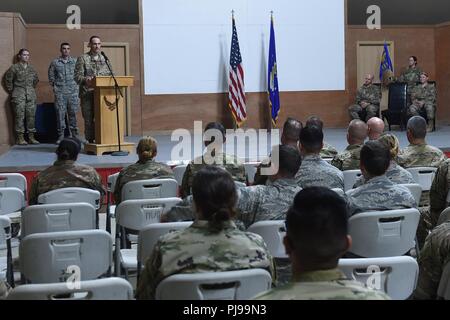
(212, 243)
(88, 66)
(434, 256)
(394, 173)
(349, 158)
(423, 96)
(411, 75)
(314, 171)
(316, 237)
(20, 81)
(65, 173)
(367, 101)
(328, 151)
(61, 76)
(378, 193)
(145, 168)
(230, 163)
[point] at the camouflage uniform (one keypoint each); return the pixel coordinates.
(370, 94)
(229, 163)
(348, 159)
(427, 95)
(269, 202)
(323, 285)
(379, 193)
(395, 173)
(432, 260)
(328, 151)
(140, 171)
(438, 192)
(420, 155)
(316, 172)
(411, 76)
(61, 75)
(64, 174)
(20, 82)
(4, 289)
(199, 249)
(89, 65)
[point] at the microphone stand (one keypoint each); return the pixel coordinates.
(116, 88)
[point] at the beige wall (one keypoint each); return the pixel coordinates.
(443, 72)
(12, 38)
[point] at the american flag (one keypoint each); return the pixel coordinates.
(236, 92)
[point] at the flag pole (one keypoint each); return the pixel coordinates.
(235, 126)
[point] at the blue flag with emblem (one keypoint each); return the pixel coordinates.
(386, 63)
(272, 82)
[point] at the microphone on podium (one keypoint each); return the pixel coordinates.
(104, 55)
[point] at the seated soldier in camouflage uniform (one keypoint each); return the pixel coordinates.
(144, 168)
(375, 128)
(434, 256)
(395, 173)
(367, 101)
(438, 193)
(378, 193)
(423, 97)
(214, 157)
(328, 151)
(314, 171)
(289, 136)
(349, 158)
(212, 243)
(65, 173)
(316, 237)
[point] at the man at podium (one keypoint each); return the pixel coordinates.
(88, 66)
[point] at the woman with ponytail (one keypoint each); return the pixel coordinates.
(211, 243)
(65, 172)
(145, 168)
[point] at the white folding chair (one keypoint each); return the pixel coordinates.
(149, 236)
(99, 289)
(71, 195)
(350, 177)
(12, 202)
(339, 191)
(328, 160)
(6, 265)
(57, 217)
(395, 276)
(444, 216)
(59, 256)
(444, 283)
(178, 172)
(272, 232)
(415, 189)
(110, 208)
(227, 285)
(250, 171)
(423, 176)
(150, 189)
(239, 184)
(14, 180)
(383, 233)
(135, 215)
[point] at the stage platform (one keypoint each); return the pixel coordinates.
(30, 159)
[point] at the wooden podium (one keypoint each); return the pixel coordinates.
(106, 139)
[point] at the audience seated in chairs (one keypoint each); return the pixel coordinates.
(375, 128)
(65, 172)
(328, 151)
(144, 168)
(317, 236)
(378, 192)
(211, 243)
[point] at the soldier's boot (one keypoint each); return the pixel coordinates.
(31, 139)
(77, 136)
(430, 126)
(20, 140)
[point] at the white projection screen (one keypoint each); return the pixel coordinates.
(187, 44)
